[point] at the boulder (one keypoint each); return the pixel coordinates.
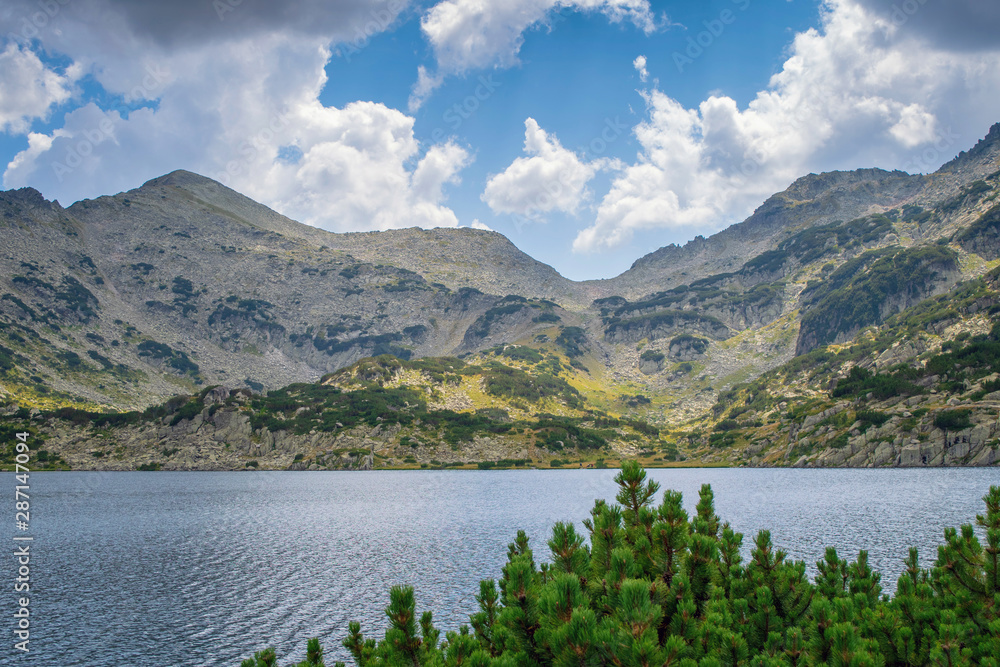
(922, 454)
(885, 454)
(217, 395)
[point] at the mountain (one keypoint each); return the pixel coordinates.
(133, 303)
(123, 301)
(810, 201)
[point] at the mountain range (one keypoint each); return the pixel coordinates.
(182, 298)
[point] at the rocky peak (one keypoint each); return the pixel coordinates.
(29, 197)
(982, 157)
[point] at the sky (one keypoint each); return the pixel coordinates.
(588, 132)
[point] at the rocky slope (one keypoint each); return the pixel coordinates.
(812, 200)
(922, 389)
(514, 406)
(126, 300)
(119, 303)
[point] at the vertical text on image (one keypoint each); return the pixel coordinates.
(22, 546)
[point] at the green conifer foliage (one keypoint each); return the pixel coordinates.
(314, 655)
(670, 537)
(485, 619)
(265, 658)
(657, 588)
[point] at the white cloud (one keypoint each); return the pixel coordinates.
(553, 178)
(479, 225)
(850, 94)
(28, 89)
(426, 84)
(353, 171)
(37, 144)
(916, 126)
(251, 119)
(473, 34)
(640, 66)
(476, 34)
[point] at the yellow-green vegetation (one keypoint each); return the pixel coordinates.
(516, 392)
(517, 398)
(812, 407)
(600, 356)
(854, 295)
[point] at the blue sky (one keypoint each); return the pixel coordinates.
(589, 132)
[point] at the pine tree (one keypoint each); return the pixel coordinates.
(990, 522)
(731, 571)
(832, 579)
(636, 618)
(362, 650)
(460, 649)
(569, 551)
(606, 535)
(568, 627)
(314, 654)
(657, 588)
(402, 644)
(265, 658)
(518, 620)
(864, 585)
(701, 564)
(670, 536)
(633, 494)
(707, 522)
(782, 593)
(905, 630)
(485, 619)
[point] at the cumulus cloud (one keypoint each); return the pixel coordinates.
(849, 94)
(29, 89)
(963, 25)
(473, 34)
(352, 173)
(553, 178)
(192, 22)
(251, 119)
(640, 66)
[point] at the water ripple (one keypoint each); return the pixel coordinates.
(202, 569)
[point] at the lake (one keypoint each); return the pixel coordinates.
(202, 569)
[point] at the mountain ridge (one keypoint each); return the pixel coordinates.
(122, 302)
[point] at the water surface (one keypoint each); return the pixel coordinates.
(201, 569)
